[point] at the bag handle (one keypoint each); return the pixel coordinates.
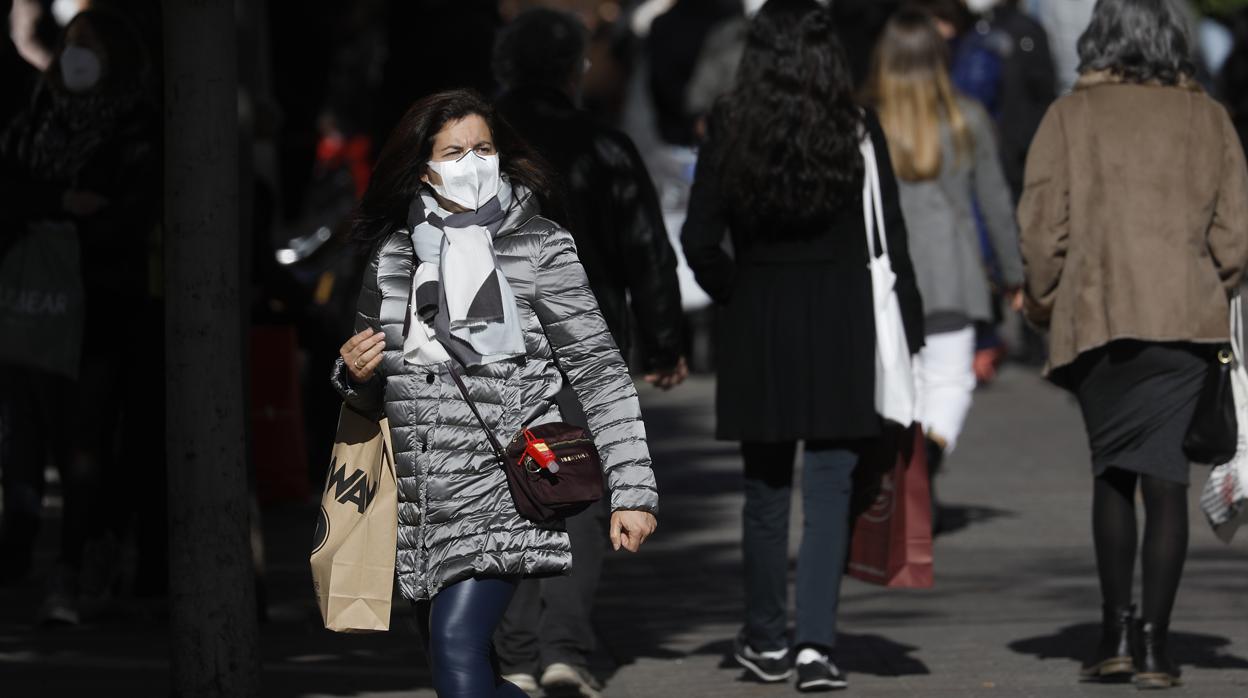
(472, 405)
(872, 200)
(1237, 327)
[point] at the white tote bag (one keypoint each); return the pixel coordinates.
(1225, 497)
(894, 377)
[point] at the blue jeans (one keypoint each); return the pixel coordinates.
(827, 482)
(458, 625)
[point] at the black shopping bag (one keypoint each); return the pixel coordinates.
(41, 300)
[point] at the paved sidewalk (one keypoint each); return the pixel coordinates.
(1014, 606)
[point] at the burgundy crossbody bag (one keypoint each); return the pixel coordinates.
(553, 470)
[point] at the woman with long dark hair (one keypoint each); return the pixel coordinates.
(1134, 224)
(468, 278)
(782, 174)
(945, 156)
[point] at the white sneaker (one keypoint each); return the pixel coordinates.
(816, 672)
(564, 680)
(769, 667)
(60, 605)
(60, 609)
(524, 682)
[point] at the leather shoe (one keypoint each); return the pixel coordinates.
(1153, 668)
(1113, 658)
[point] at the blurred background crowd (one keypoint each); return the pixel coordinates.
(322, 83)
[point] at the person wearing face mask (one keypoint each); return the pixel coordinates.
(85, 154)
(613, 213)
(467, 277)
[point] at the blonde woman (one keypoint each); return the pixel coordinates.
(946, 161)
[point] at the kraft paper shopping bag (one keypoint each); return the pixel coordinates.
(354, 546)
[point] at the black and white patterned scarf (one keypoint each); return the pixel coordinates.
(462, 305)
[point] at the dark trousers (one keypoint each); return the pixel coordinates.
(32, 434)
(549, 619)
(827, 482)
(457, 626)
(105, 434)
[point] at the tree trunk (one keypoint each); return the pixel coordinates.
(213, 634)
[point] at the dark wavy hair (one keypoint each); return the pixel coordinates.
(790, 128)
(1138, 41)
(396, 178)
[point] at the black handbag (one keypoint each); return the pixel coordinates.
(1214, 433)
(553, 470)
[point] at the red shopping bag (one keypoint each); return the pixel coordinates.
(891, 539)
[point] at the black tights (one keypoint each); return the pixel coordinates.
(1165, 540)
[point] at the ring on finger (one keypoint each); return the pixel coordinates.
(360, 362)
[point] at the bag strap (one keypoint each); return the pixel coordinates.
(463, 390)
(1237, 327)
(872, 200)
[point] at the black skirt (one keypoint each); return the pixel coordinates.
(1138, 399)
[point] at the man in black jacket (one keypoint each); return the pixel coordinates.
(1028, 83)
(612, 210)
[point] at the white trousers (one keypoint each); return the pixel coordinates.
(945, 379)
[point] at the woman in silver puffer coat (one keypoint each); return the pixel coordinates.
(466, 273)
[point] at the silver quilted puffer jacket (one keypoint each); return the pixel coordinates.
(456, 517)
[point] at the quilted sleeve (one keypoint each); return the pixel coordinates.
(365, 398)
(588, 357)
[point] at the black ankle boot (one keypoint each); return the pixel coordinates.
(1153, 668)
(1113, 658)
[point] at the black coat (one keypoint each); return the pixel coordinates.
(672, 48)
(795, 342)
(1028, 87)
(120, 161)
(859, 24)
(613, 212)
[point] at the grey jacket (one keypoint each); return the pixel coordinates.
(940, 218)
(456, 517)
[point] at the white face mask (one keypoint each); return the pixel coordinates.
(80, 68)
(65, 10)
(980, 6)
(470, 181)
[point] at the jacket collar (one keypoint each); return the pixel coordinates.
(523, 207)
(1096, 78)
